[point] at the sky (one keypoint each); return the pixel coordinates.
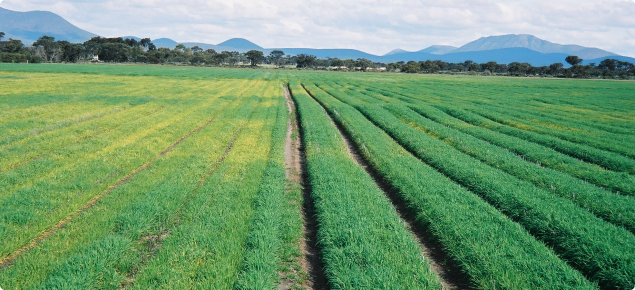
(369, 25)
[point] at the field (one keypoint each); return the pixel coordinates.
(151, 177)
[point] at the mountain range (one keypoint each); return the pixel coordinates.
(29, 26)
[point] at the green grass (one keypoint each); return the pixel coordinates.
(471, 231)
(363, 242)
(523, 183)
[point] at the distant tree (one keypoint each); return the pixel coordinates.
(12, 46)
(426, 66)
(70, 51)
(411, 67)
(180, 47)
(491, 66)
(608, 64)
(1, 35)
(255, 57)
(196, 49)
(555, 68)
(145, 42)
(115, 52)
(392, 66)
(337, 62)
(131, 42)
(276, 55)
(49, 47)
(222, 57)
(517, 68)
(573, 60)
(474, 67)
(349, 63)
(305, 60)
(364, 64)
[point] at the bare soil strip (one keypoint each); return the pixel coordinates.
(45, 234)
(295, 160)
(450, 275)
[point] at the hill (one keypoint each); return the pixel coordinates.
(533, 43)
(29, 26)
(240, 43)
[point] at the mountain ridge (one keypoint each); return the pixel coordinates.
(29, 26)
(531, 42)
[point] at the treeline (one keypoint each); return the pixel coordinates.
(120, 50)
(608, 68)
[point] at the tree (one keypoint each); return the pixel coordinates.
(50, 47)
(337, 62)
(555, 68)
(608, 64)
(276, 55)
(255, 57)
(1, 35)
(411, 67)
(305, 60)
(145, 42)
(196, 49)
(573, 60)
(70, 51)
(180, 47)
(12, 46)
(115, 52)
(474, 67)
(491, 66)
(363, 64)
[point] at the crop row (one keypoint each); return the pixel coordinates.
(35, 204)
(277, 223)
(619, 144)
(610, 160)
(493, 251)
(363, 243)
(621, 183)
(603, 252)
(106, 245)
(614, 208)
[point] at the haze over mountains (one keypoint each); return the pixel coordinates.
(29, 26)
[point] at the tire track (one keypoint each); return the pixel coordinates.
(295, 160)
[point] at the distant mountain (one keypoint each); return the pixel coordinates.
(533, 43)
(439, 49)
(396, 51)
(240, 43)
(164, 42)
(506, 55)
(29, 26)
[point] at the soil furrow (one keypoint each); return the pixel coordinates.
(295, 160)
(450, 275)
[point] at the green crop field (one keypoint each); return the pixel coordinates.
(158, 177)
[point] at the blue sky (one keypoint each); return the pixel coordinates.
(369, 25)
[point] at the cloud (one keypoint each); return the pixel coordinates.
(370, 25)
